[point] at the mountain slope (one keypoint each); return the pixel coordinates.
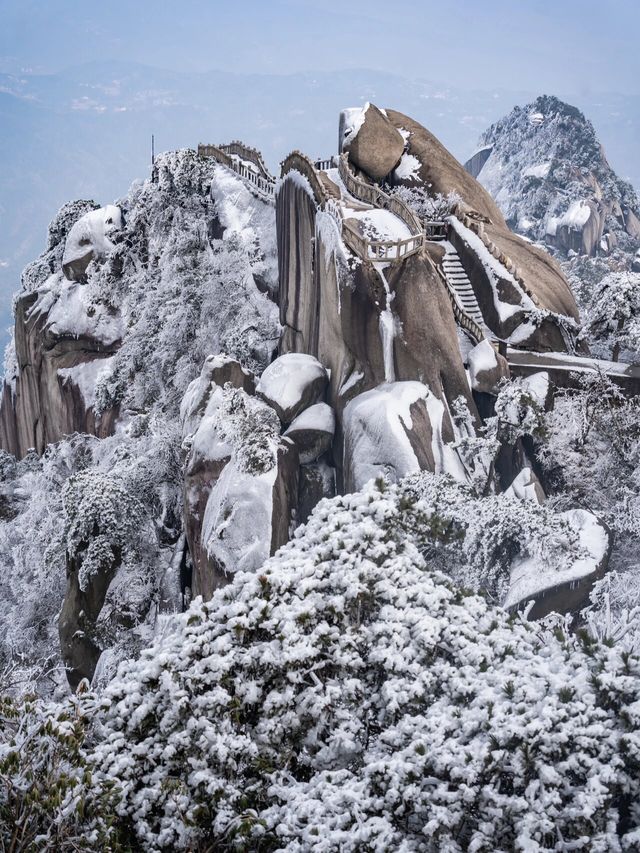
(547, 170)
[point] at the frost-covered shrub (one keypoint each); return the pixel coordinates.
(250, 427)
(173, 293)
(429, 207)
(517, 413)
(103, 521)
(613, 315)
(346, 698)
(47, 801)
(476, 538)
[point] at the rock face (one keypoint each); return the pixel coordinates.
(486, 368)
(331, 307)
(312, 432)
(392, 431)
(61, 344)
(51, 394)
(549, 174)
(373, 143)
(500, 260)
(76, 623)
(241, 478)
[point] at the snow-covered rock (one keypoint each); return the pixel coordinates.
(372, 142)
(89, 238)
(312, 431)
(394, 430)
(486, 367)
(291, 383)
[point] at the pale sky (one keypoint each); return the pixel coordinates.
(573, 46)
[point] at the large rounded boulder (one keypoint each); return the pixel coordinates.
(291, 383)
(372, 142)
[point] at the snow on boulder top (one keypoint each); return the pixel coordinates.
(482, 359)
(536, 119)
(291, 383)
(312, 431)
(382, 437)
(89, 238)
(351, 120)
(318, 417)
(576, 216)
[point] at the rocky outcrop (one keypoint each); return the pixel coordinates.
(51, 392)
(89, 239)
(372, 142)
(241, 477)
(291, 384)
(545, 286)
(312, 432)
(487, 368)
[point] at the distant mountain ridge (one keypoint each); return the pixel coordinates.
(547, 170)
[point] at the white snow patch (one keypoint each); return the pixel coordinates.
(523, 487)
(240, 212)
(85, 377)
(482, 359)
(236, 528)
(349, 383)
(375, 438)
(319, 418)
(75, 315)
(529, 577)
(576, 216)
(537, 384)
(91, 233)
(446, 458)
(299, 180)
(541, 170)
(375, 434)
(352, 120)
(380, 224)
(387, 323)
(408, 168)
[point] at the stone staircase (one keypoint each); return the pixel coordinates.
(459, 284)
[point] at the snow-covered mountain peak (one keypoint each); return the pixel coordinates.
(544, 165)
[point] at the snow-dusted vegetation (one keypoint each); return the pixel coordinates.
(293, 557)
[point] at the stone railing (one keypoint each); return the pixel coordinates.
(245, 152)
(299, 162)
(369, 250)
(372, 194)
(233, 156)
(435, 230)
(462, 318)
(380, 250)
(215, 152)
(324, 165)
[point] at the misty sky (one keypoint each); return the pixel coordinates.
(567, 46)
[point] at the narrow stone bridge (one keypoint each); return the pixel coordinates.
(564, 369)
(246, 162)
